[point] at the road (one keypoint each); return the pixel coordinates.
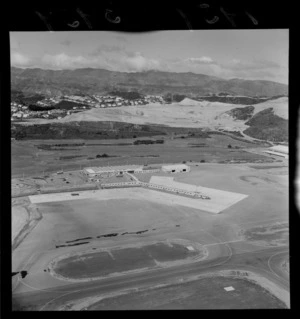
(262, 262)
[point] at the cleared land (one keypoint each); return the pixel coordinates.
(219, 200)
(207, 293)
(271, 235)
(132, 218)
(29, 160)
(19, 217)
(196, 114)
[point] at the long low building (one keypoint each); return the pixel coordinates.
(94, 171)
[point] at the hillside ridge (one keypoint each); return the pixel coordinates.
(91, 81)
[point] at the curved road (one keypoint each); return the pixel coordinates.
(263, 262)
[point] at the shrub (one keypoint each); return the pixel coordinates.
(202, 161)
(33, 107)
(229, 146)
(103, 155)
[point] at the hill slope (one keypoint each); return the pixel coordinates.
(91, 81)
(266, 125)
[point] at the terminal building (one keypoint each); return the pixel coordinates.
(176, 168)
(97, 171)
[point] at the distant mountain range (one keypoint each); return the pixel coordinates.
(100, 81)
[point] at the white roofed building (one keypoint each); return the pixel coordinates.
(93, 171)
(176, 168)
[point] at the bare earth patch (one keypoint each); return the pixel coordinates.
(19, 218)
(270, 235)
(24, 219)
(251, 291)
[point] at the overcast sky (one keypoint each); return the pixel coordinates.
(247, 54)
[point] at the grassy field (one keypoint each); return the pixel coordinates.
(207, 293)
(28, 159)
(271, 235)
(102, 263)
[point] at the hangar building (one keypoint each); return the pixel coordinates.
(94, 171)
(176, 168)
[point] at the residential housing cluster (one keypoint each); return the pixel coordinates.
(115, 101)
(21, 111)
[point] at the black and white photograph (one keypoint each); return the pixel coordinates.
(150, 170)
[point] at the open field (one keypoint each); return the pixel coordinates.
(111, 219)
(93, 264)
(29, 160)
(276, 234)
(19, 217)
(219, 200)
(207, 293)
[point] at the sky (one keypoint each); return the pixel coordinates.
(245, 54)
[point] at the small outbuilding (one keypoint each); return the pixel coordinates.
(176, 168)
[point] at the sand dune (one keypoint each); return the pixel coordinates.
(187, 113)
(280, 107)
(200, 114)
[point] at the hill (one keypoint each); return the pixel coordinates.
(242, 113)
(266, 125)
(98, 81)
